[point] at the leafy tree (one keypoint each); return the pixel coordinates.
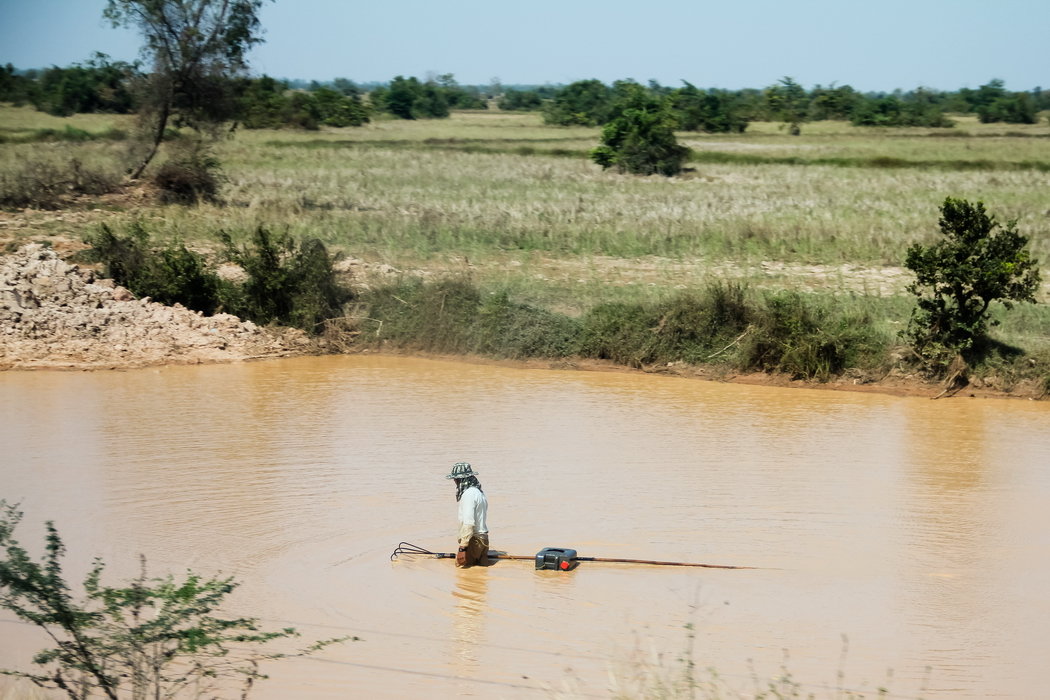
(922, 108)
(94, 86)
(1012, 108)
(984, 96)
(520, 100)
(15, 87)
(457, 96)
(346, 87)
(1040, 98)
(788, 103)
(640, 138)
(956, 279)
(713, 111)
(430, 103)
(334, 108)
(583, 103)
(194, 47)
(833, 102)
(408, 98)
(878, 111)
(152, 638)
(263, 103)
(918, 108)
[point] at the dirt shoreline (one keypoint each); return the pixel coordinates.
(58, 316)
(892, 385)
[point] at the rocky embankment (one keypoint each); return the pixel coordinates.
(57, 315)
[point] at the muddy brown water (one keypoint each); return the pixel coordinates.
(902, 542)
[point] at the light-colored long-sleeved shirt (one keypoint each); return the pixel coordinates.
(473, 514)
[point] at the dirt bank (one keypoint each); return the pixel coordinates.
(57, 315)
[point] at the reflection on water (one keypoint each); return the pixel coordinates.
(916, 529)
(469, 620)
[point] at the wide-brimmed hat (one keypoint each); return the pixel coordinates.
(461, 470)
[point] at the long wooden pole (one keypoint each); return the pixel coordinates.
(662, 563)
(613, 560)
(409, 548)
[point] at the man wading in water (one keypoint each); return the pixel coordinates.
(473, 516)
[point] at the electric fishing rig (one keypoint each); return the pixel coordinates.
(554, 558)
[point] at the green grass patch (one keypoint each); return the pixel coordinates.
(722, 325)
(453, 316)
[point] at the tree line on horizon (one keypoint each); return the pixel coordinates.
(100, 85)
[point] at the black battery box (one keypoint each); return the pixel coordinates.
(556, 558)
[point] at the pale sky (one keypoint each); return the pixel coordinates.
(873, 45)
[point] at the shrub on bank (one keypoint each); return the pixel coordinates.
(511, 329)
(688, 328)
(289, 282)
(171, 274)
(797, 337)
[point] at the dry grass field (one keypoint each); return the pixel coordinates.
(517, 205)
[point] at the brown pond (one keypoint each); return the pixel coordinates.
(900, 541)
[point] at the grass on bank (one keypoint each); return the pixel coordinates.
(724, 326)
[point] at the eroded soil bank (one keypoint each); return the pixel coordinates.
(57, 315)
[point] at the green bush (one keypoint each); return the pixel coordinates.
(192, 175)
(452, 316)
(640, 139)
(719, 325)
(620, 332)
(891, 110)
(799, 338)
(94, 86)
(333, 108)
(520, 100)
(289, 282)
(687, 328)
(505, 328)
(408, 98)
(977, 262)
(169, 275)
